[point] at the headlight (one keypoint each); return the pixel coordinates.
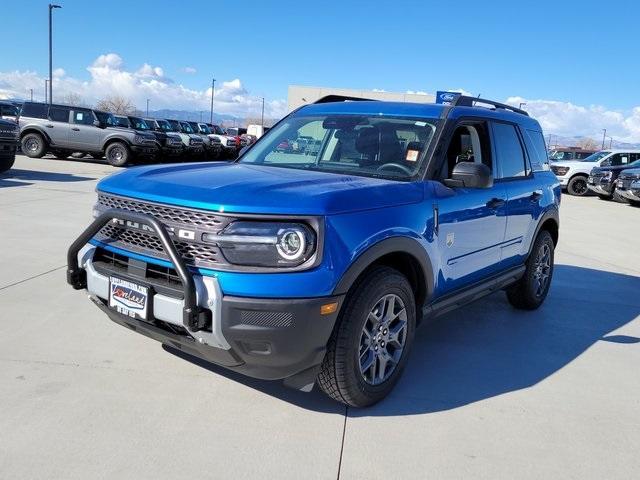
(140, 139)
(635, 184)
(193, 141)
(231, 143)
(607, 174)
(561, 171)
(262, 244)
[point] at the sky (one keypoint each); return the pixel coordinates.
(575, 64)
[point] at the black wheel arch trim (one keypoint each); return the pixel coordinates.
(116, 138)
(550, 214)
(405, 245)
(33, 129)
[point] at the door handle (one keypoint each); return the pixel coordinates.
(535, 196)
(75, 129)
(49, 125)
(495, 203)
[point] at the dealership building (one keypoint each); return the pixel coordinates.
(299, 95)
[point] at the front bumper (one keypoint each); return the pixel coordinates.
(8, 147)
(601, 188)
(262, 338)
(630, 194)
(145, 151)
(172, 150)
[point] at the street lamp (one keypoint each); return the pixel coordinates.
(262, 118)
(604, 135)
(147, 107)
(51, 7)
(46, 96)
(213, 86)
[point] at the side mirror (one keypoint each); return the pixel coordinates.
(98, 123)
(470, 175)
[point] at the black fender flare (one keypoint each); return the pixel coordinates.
(115, 138)
(405, 245)
(550, 214)
(34, 129)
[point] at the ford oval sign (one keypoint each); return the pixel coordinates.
(446, 98)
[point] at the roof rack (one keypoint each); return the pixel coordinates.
(342, 98)
(466, 101)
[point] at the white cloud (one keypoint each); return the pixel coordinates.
(109, 76)
(568, 119)
(189, 70)
(59, 72)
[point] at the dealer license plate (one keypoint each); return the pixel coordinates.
(128, 298)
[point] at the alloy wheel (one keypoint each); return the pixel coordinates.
(542, 269)
(382, 340)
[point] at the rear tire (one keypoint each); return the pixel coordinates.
(371, 341)
(33, 145)
(531, 290)
(118, 154)
(635, 203)
(578, 186)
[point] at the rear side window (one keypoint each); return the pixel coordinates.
(35, 110)
(618, 159)
(59, 114)
(82, 117)
(509, 151)
(534, 141)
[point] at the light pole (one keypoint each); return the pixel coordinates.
(262, 117)
(604, 135)
(610, 141)
(31, 94)
(46, 96)
(147, 107)
(51, 7)
(213, 86)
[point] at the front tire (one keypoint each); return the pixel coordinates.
(118, 154)
(578, 186)
(33, 145)
(370, 343)
(635, 203)
(6, 163)
(532, 289)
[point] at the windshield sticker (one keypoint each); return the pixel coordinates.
(412, 155)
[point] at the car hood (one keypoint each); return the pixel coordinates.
(574, 164)
(243, 188)
(612, 168)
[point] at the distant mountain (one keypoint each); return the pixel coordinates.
(561, 141)
(203, 116)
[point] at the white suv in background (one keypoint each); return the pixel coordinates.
(573, 174)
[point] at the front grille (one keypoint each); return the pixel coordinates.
(626, 179)
(177, 215)
(196, 254)
(137, 240)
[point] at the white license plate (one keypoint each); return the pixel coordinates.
(620, 183)
(128, 298)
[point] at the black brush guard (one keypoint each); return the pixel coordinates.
(194, 318)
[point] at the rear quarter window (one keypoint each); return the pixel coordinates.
(537, 150)
(35, 110)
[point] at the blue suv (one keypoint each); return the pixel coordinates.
(314, 256)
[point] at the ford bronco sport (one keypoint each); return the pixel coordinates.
(317, 268)
(8, 144)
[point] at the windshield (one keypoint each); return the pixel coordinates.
(557, 155)
(139, 123)
(204, 128)
(164, 125)
(107, 118)
(595, 157)
(120, 121)
(359, 145)
(175, 125)
(217, 130)
(186, 127)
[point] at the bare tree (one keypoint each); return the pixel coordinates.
(72, 98)
(588, 144)
(116, 104)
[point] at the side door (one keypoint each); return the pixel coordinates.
(83, 134)
(471, 221)
(523, 193)
(58, 125)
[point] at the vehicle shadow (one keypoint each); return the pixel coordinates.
(18, 178)
(487, 348)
